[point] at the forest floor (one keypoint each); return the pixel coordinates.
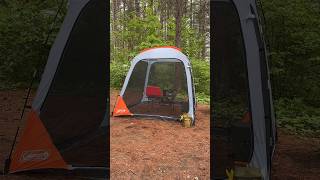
(144, 149)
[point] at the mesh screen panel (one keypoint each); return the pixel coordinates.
(134, 91)
(166, 78)
(77, 99)
(232, 133)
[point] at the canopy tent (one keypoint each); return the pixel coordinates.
(158, 84)
(65, 128)
(244, 129)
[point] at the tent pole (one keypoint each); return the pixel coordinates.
(146, 81)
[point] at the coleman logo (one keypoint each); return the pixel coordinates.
(34, 155)
(121, 111)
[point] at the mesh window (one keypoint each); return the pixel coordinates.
(158, 87)
(231, 107)
(76, 103)
(134, 91)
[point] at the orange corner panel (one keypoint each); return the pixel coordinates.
(35, 149)
(121, 108)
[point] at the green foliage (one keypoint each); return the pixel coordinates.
(296, 116)
(191, 41)
(23, 30)
(293, 30)
(202, 98)
(201, 76)
(118, 72)
(138, 33)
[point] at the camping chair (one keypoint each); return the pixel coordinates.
(154, 94)
(169, 97)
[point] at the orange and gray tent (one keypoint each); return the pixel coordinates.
(65, 128)
(158, 84)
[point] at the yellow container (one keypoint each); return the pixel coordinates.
(186, 120)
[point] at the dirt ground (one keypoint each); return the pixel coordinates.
(296, 157)
(145, 149)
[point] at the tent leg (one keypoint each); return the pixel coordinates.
(146, 80)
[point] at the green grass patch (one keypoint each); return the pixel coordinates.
(297, 117)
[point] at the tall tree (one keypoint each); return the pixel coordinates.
(178, 18)
(115, 8)
(124, 7)
(179, 24)
(202, 24)
(130, 16)
(130, 8)
(137, 7)
(191, 14)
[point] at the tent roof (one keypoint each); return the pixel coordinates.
(166, 52)
(173, 47)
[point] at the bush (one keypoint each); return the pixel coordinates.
(296, 116)
(201, 76)
(24, 27)
(202, 98)
(118, 72)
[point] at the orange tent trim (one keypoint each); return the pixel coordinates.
(35, 149)
(121, 108)
(173, 47)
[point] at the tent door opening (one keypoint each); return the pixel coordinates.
(158, 87)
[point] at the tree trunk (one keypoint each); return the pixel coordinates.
(124, 25)
(151, 5)
(168, 7)
(130, 15)
(114, 13)
(130, 8)
(191, 14)
(202, 25)
(115, 6)
(178, 17)
(144, 9)
(137, 7)
(162, 7)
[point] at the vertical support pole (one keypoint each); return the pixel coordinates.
(146, 81)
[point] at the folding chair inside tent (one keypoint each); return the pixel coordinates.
(153, 92)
